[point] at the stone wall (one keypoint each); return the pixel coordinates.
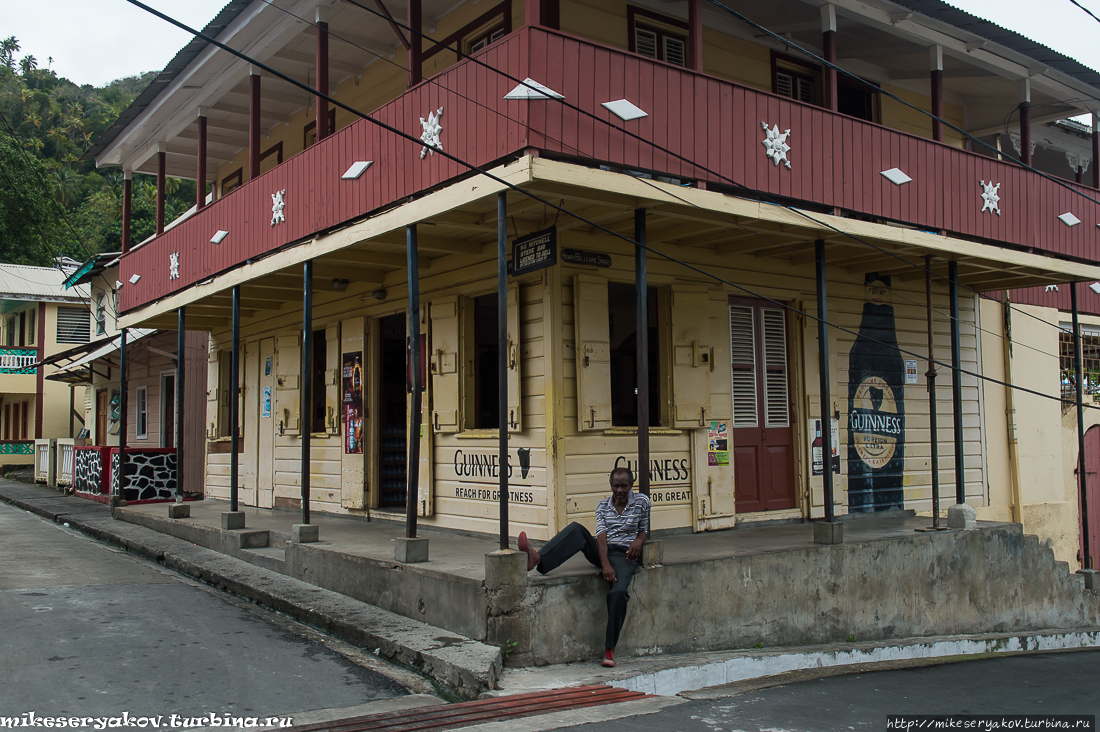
(151, 475)
(88, 471)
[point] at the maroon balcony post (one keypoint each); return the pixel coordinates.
(1095, 151)
(253, 123)
(695, 35)
(1025, 121)
(200, 166)
(828, 41)
(416, 45)
(322, 74)
(936, 53)
(127, 193)
(161, 162)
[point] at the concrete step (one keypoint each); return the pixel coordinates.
(268, 557)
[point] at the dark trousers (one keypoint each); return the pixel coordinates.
(576, 538)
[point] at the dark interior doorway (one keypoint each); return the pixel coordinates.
(393, 410)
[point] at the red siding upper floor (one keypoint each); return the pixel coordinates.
(712, 129)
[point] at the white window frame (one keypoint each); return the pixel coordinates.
(141, 416)
(101, 314)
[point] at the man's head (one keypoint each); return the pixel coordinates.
(621, 482)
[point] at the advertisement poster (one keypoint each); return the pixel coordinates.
(718, 447)
(352, 374)
(817, 446)
(265, 404)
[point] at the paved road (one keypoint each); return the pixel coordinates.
(1054, 683)
(89, 630)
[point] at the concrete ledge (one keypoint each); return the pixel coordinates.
(410, 551)
(179, 511)
(233, 520)
(305, 533)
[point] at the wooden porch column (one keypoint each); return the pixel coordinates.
(322, 73)
(161, 162)
(546, 13)
(828, 42)
(936, 64)
(253, 123)
(695, 35)
(956, 383)
(181, 350)
(127, 194)
(123, 415)
(416, 43)
(1025, 121)
(200, 165)
(641, 290)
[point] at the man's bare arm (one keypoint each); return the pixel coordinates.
(601, 547)
(634, 552)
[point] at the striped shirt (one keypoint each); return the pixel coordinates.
(622, 529)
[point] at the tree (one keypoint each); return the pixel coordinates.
(27, 214)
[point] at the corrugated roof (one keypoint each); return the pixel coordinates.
(941, 11)
(24, 282)
(180, 62)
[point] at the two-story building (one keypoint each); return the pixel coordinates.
(763, 179)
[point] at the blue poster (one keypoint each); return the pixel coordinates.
(265, 409)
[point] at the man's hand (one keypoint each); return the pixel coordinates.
(634, 552)
(609, 573)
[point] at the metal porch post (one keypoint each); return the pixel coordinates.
(305, 418)
(1081, 474)
(412, 486)
(253, 123)
(936, 72)
(162, 162)
(200, 163)
(127, 198)
(416, 45)
(181, 339)
(956, 383)
(122, 406)
(234, 399)
(930, 375)
(825, 382)
(321, 62)
(641, 288)
(502, 360)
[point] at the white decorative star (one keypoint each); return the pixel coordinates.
(1051, 288)
(775, 145)
(430, 136)
(277, 205)
(991, 199)
(174, 265)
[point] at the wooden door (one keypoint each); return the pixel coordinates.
(265, 429)
(1092, 487)
(763, 454)
(168, 411)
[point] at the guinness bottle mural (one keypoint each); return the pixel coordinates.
(876, 406)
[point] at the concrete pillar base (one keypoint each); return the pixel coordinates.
(179, 510)
(410, 551)
(115, 501)
(962, 516)
(1092, 578)
(653, 553)
(233, 520)
(826, 532)
(305, 533)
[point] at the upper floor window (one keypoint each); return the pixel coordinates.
(658, 36)
(802, 87)
(31, 327)
(73, 325)
(271, 157)
(141, 424)
(233, 180)
(309, 132)
(483, 39)
(10, 340)
(101, 314)
(795, 79)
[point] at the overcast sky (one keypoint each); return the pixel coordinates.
(96, 41)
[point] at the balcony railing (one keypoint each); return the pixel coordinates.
(701, 127)
(17, 360)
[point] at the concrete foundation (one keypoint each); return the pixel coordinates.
(828, 532)
(653, 553)
(233, 520)
(1092, 578)
(962, 516)
(305, 533)
(179, 511)
(410, 551)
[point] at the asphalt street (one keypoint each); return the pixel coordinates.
(91, 630)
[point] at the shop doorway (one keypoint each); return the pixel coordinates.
(100, 418)
(168, 409)
(763, 454)
(1092, 486)
(392, 413)
(265, 428)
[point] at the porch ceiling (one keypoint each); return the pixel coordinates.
(458, 227)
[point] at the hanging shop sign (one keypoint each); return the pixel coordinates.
(352, 373)
(588, 259)
(535, 251)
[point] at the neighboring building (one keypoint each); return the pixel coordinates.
(737, 122)
(39, 319)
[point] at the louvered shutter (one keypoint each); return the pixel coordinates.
(645, 42)
(776, 405)
(692, 356)
(593, 353)
(784, 84)
(675, 51)
(743, 362)
(213, 394)
(332, 379)
(806, 91)
(444, 364)
(74, 325)
(288, 369)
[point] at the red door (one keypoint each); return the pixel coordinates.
(1092, 487)
(763, 454)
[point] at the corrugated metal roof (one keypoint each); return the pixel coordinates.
(180, 62)
(24, 282)
(941, 11)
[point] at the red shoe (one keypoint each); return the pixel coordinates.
(525, 546)
(608, 658)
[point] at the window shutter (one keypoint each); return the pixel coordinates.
(784, 84)
(806, 91)
(73, 325)
(213, 394)
(515, 363)
(743, 361)
(288, 395)
(425, 489)
(721, 398)
(445, 357)
(675, 52)
(645, 42)
(776, 406)
(692, 356)
(332, 379)
(593, 353)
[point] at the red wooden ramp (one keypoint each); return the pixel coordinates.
(454, 716)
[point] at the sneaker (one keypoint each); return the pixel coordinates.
(525, 546)
(608, 658)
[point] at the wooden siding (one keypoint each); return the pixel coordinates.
(710, 123)
(1088, 302)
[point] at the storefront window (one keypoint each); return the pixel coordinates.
(486, 360)
(623, 331)
(317, 393)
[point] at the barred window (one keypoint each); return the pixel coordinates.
(74, 325)
(1090, 363)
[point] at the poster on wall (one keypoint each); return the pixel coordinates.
(876, 405)
(818, 445)
(352, 373)
(718, 446)
(265, 402)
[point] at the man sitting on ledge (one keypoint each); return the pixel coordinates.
(622, 526)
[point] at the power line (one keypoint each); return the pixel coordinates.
(1086, 10)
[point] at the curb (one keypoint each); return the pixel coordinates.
(465, 667)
